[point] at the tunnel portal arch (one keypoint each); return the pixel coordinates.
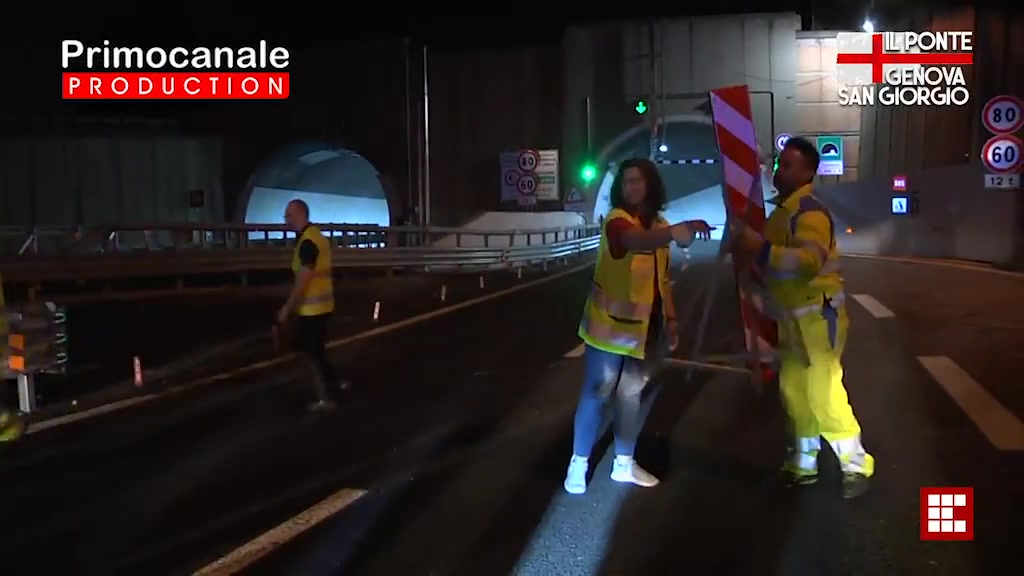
(340, 186)
(694, 188)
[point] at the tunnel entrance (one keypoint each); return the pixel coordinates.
(340, 186)
(688, 162)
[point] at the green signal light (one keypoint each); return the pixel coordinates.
(588, 173)
(775, 165)
(641, 107)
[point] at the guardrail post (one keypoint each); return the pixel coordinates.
(26, 393)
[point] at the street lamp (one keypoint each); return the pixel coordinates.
(869, 27)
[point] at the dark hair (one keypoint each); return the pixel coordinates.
(807, 150)
(656, 198)
(302, 206)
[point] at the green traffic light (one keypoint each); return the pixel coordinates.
(775, 166)
(588, 173)
(641, 107)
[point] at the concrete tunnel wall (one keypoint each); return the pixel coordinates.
(340, 186)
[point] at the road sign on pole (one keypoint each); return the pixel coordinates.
(1001, 154)
(899, 183)
(1002, 115)
(830, 148)
(781, 139)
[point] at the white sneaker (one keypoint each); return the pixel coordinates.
(576, 476)
(625, 469)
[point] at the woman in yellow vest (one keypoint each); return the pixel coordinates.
(311, 299)
(629, 313)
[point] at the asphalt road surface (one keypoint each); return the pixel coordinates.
(447, 456)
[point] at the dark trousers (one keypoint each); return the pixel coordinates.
(311, 340)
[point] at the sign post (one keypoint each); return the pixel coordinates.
(830, 148)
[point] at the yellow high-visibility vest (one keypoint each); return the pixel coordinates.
(617, 315)
(319, 296)
(803, 265)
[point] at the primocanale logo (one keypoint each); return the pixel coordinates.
(903, 68)
(108, 72)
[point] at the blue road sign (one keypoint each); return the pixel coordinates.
(781, 139)
(900, 205)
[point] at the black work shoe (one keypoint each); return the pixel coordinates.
(854, 485)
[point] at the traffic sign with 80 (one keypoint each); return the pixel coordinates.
(1001, 154)
(528, 160)
(527, 185)
(1002, 115)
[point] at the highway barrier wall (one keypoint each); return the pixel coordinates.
(189, 336)
(515, 221)
(956, 217)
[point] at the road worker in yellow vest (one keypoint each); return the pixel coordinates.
(800, 263)
(11, 424)
(311, 300)
(629, 317)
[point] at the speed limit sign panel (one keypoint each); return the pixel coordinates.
(529, 175)
(1002, 115)
(1001, 154)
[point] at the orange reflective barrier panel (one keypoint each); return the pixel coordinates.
(16, 341)
(16, 363)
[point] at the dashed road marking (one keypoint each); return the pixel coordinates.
(1002, 428)
(874, 307)
(277, 361)
(251, 552)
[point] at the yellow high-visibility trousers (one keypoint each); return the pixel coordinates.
(814, 395)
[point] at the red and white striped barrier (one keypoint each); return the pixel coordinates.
(744, 198)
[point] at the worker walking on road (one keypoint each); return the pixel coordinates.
(312, 300)
(629, 314)
(799, 259)
(12, 426)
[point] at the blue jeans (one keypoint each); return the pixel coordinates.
(621, 380)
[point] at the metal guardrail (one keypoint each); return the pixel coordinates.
(176, 250)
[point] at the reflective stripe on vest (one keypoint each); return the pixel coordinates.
(830, 265)
(608, 334)
(619, 308)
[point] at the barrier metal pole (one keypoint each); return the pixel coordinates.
(26, 393)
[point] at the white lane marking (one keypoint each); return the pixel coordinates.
(249, 553)
(874, 307)
(276, 361)
(1002, 428)
(577, 351)
(941, 263)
